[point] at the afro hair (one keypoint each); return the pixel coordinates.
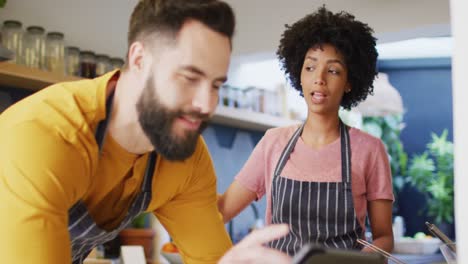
(352, 38)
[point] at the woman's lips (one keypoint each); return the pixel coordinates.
(318, 97)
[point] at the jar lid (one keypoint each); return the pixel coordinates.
(35, 29)
(72, 48)
(12, 23)
(117, 60)
(102, 57)
(55, 35)
(87, 53)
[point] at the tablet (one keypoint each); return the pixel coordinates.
(315, 254)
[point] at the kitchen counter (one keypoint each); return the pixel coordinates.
(421, 259)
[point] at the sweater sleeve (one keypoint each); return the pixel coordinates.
(41, 176)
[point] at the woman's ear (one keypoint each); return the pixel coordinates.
(348, 88)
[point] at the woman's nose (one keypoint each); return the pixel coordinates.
(319, 81)
(319, 76)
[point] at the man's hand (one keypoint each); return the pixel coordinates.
(252, 250)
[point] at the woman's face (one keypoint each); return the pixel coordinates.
(324, 79)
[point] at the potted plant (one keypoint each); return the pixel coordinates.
(431, 173)
(140, 233)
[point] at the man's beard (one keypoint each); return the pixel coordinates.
(157, 122)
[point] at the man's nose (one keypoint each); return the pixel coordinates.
(203, 99)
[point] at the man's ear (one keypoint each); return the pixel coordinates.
(135, 56)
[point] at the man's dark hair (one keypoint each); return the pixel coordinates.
(352, 38)
(168, 16)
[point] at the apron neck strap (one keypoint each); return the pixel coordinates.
(345, 152)
(102, 126)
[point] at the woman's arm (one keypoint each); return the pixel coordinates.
(234, 200)
(380, 217)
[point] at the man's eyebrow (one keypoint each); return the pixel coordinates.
(198, 71)
(193, 69)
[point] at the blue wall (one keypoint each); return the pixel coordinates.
(230, 148)
(426, 89)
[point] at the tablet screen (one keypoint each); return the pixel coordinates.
(314, 254)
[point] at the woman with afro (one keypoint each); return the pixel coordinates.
(323, 178)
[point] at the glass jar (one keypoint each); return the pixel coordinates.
(116, 63)
(33, 43)
(87, 64)
(72, 61)
(103, 64)
(55, 53)
(12, 38)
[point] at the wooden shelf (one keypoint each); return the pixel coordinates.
(21, 77)
(247, 119)
(5, 54)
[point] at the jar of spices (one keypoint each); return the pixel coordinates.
(12, 38)
(87, 64)
(116, 63)
(55, 53)
(103, 64)
(33, 46)
(72, 61)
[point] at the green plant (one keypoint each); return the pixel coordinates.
(388, 129)
(141, 221)
(2, 3)
(431, 173)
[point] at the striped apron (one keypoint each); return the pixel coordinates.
(85, 234)
(318, 212)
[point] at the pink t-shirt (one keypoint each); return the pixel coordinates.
(371, 175)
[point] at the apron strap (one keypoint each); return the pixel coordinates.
(287, 151)
(149, 171)
(102, 126)
(345, 152)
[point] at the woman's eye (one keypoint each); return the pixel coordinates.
(310, 68)
(333, 71)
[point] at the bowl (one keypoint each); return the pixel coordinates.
(173, 258)
(422, 246)
(449, 255)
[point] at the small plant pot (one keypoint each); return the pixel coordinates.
(141, 237)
